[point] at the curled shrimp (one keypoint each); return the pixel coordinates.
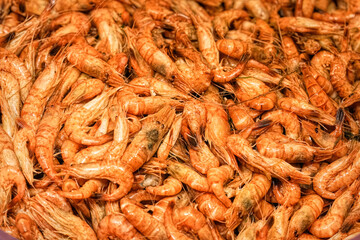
(27, 227)
(263, 209)
(323, 177)
(70, 22)
(232, 48)
(240, 114)
(202, 159)
(330, 224)
(171, 187)
(142, 221)
(172, 231)
(276, 167)
(338, 77)
(7, 154)
(216, 178)
(246, 199)
(307, 25)
(116, 225)
(291, 53)
(195, 114)
(223, 20)
(310, 209)
(211, 207)
(287, 194)
(188, 176)
(280, 218)
(190, 219)
(220, 76)
(84, 191)
(258, 9)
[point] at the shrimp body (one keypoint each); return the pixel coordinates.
(288, 194)
(142, 221)
(202, 159)
(170, 187)
(276, 167)
(27, 227)
(246, 199)
(327, 226)
(211, 207)
(188, 176)
(310, 209)
(172, 231)
(116, 225)
(338, 78)
(307, 25)
(281, 222)
(7, 154)
(223, 20)
(240, 114)
(216, 178)
(232, 48)
(84, 191)
(70, 22)
(195, 114)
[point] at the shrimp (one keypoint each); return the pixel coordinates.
(246, 199)
(27, 227)
(75, 5)
(142, 221)
(11, 176)
(310, 209)
(79, 55)
(119, 9)
(240, 114)
(110, 34)
(306, 110)
(7, 154)
(287, 194)
(211, 207)
(82, 90)
(172, 232)
(45, 139)
(220, 76)
(339, 79)
(280, 218)
(216, 179)
(232, 48)
(195, 115)
(85, 191)
(171, 187)
(306, 236)
(307, 25)
(255, 94)
(116, 225)
(70, 22)
(291, 53)
(202, 159)
(287, 119)
(331, 223)
(274, 145)
(263, 210)
(223, 20)
(161, 206)
(322, 178)
(317, 95)
(337, 16)
(190, 219)
(276, 167)
(75, 125)
(257, 8)
(188, 176)
(11, 64)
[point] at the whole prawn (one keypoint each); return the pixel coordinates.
(216, 178)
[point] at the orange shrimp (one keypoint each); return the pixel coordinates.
(273, 166)
(255, 94)
(202, 159)
(331, 223)
(307, 25)
(337, 16)
(170, 187)
(280, 218)
(216, 178)
(188, 176)
(172, 232)
(196, 116)
(288, 194)
(246, 199)
(89, 154)
(257, 8)
(116, 225)
(220, 76)
(263, 210)
(85, 191)
(211, 207)
(142, 221)
(306, 110)
(7, 154)
(223, 20)
(322, 178)
(291, 53)
(161, 206)
(45, 139)
(275, 145)
(317, 95)
(232, 48)
(170, 139)
(70, 22)
(306, 236)
(353, 215)
(119, 9)
(241, 115)
(338, 77)
(310, 209)
(190, 219)
(27, 227)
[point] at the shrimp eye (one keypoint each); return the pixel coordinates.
(316, 130)
(22, 7)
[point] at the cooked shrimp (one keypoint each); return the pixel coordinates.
(70, 22)
(170, 187)
(287, 194)
(116, 225)
(307, 25)
(172, 232)
(241, 115)
(27, 227)
(223, 20)
(142, 221)
(84, 191)
(190, 219)
(69, 150)
(255, 94)
(280, 218)
(339, 79)
(232, 48)
(291, 53)
(310, 209)
(195, 115)
(220, 76)
(257, 8)
(263, 210)
(330, 224)
(216, 178)
(276, 167)
(306, 236)
(211, 207)
(306, 110)
(7, 154)
(246, 199)
(188, 176)
(202, 159)
(161, 207)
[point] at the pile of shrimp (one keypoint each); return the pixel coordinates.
(180, 119)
